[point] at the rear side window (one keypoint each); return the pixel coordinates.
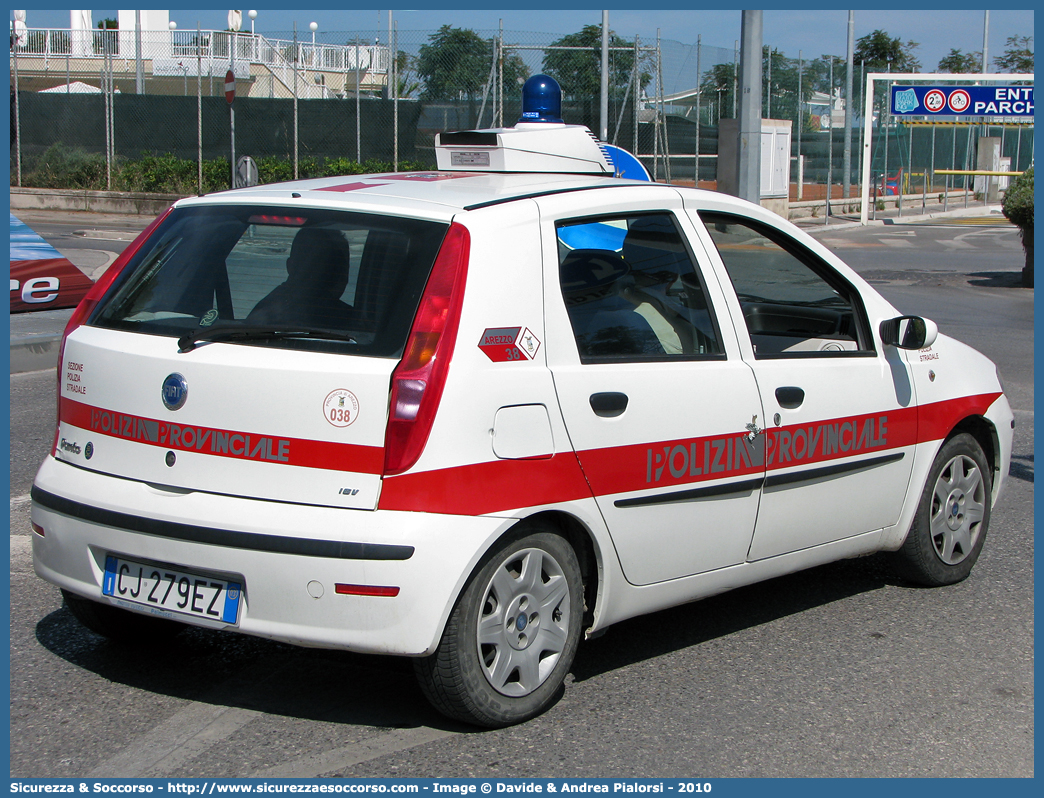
(340, 282)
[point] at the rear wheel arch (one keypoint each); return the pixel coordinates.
(587, 553)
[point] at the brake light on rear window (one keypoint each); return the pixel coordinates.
(286, 221)
(91, 300)
(419, 378)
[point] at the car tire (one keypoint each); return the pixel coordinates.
(120, 625)
(952, 518)
(511, 637)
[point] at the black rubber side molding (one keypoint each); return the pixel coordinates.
(229, 538)
(768, 482)
(694, 494)
(777, 480)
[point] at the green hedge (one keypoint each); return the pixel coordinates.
(63, 167)
(1018, 200)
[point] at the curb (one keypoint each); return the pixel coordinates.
(59, 199)
(956, 213)
(35, 353)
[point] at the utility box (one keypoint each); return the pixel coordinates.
(775, 162)
(988, 159)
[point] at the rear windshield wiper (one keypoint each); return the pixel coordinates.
(256, 333)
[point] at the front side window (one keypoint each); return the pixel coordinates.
(310, 279)
(632, 290)
(792, 303)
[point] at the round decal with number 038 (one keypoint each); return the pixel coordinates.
(340, 407)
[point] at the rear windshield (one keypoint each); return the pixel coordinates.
(339, 282)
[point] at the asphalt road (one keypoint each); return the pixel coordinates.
(837, 671)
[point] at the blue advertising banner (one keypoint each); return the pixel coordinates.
(1014, 101)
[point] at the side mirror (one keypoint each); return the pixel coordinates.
(909, 332)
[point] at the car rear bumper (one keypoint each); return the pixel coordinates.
(289, 558)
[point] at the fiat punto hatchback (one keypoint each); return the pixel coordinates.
(471, 416)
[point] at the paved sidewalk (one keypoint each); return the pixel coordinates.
(890, 216)
(35, 337)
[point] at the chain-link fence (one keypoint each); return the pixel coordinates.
(93, 103)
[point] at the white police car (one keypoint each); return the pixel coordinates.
(472, 415)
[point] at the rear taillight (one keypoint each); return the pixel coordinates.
(418, 380)
(91, 300)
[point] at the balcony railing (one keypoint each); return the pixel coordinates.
(208, 46)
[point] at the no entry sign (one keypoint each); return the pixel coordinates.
(230, 87)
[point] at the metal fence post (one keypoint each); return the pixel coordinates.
(699, 92)
(635, 103)
(395, 96)
(830, 145)
(18, 121)
(294, 64)
(199, 109)
(358, 106)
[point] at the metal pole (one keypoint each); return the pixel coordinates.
(139, 77)
(924, 190)
(18, 119)
(862, 98)
(886, 122)
(232, 118)
(748, 149)
(199, 110)
(800, 103)
(735, 79)
(699, 92)
(967, 163)
(499, 93)
(932, 164)
(847, 158)
(985, 40)
(659, 81)
(110, 118)
(634, 105)
(232, 108)
(603, 83)
(909, 163)
(768, 93)
(866, 161)
(358, 108)
(295, 101)
(899, 180)
(830, 146)
(395, 88)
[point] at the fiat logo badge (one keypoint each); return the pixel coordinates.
(174, 392)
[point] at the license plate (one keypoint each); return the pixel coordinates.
(172, 590)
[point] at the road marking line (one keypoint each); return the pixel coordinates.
(181, 737)
(19, 501)
(21, 554)
(339, 759)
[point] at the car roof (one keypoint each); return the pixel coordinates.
(431, 194)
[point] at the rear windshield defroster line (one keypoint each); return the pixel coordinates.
(228, 538)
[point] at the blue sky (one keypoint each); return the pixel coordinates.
(813, 31)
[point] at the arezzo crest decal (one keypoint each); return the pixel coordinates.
(503, 344)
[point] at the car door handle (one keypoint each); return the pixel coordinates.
(790, 396)
(608, 405)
